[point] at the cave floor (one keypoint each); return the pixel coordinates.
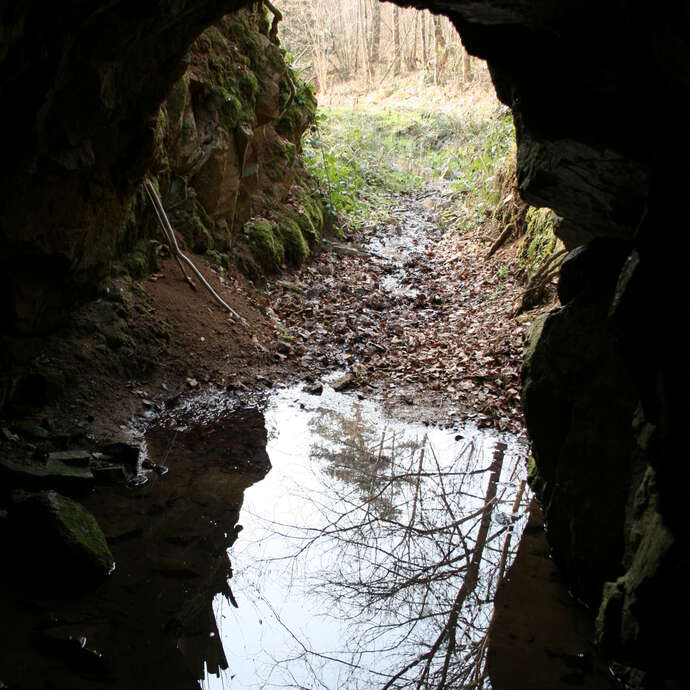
(403, 314)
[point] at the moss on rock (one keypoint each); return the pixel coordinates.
(265, 245)
(195, 225)
(296, 247)
(310, 214)
(239, 90)
(58, 531)
(539, 240)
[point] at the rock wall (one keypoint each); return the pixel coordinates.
(81, 85)
(228, 144)
(594, 92)
(83, 88)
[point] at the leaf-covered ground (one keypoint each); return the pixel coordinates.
(415, 313)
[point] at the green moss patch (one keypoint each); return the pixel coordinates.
(296, 247)
(539, 240)
(265, 244)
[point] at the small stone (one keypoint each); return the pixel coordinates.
(314, 388)
(109, 474)
(8, 435)
(344, 382)
(30, 429)
(122, 450)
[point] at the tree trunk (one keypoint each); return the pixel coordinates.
(412, 55)
(364, 49)
(466, 66)
(425, 49)
(396, 40)
(375, 33)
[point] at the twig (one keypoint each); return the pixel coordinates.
(501, 239)
(277, 16)
(175, 248)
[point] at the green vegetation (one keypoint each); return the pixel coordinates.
(539, 240)
(360, 158)
(266, 248)
(296, 247)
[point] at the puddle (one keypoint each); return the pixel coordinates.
(364, 543)
(371, 551)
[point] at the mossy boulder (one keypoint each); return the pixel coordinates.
(62, 538)
(296, 247)
(265, 244)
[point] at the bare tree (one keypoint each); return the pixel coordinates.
(396, 40)
(340, 40)
(375, 32)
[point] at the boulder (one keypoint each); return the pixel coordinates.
(59, 537)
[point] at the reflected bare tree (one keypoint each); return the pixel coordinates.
(417, 545)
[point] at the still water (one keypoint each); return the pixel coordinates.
(371, 551)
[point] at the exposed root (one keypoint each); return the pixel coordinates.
(175, 248)
(537, 284)
(277, 17)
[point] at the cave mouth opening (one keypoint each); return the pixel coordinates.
(606, 371)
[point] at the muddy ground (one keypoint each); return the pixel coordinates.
(412, 313)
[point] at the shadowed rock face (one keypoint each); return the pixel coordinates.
(80, 85)
(151, 624)
(595, 89)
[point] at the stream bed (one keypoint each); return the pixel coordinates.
(370, 552)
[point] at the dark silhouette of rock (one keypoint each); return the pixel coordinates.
(57, 535)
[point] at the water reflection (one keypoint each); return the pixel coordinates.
(371, 552)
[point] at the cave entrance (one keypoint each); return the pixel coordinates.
(371, 552)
